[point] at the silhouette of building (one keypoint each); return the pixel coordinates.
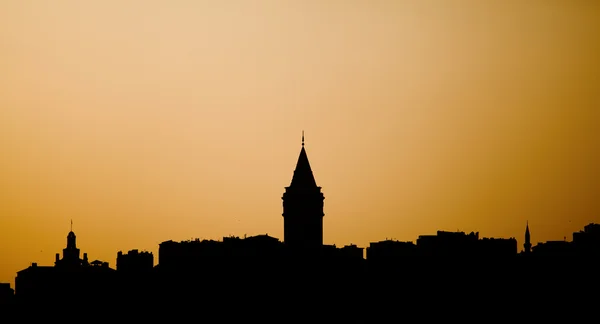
(135, 261)
(553, 248)
(71, 279)
(448, 244)
(527, 244)
(206, 255)
(303, 207)
(334, 257)
(6, 294)
(36, 282)
(493, 247)
(587, 242)
(352, 252)
(585, 245)
(460, 244)
(390, 251)
(71, 253)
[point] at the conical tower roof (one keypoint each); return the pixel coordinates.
(303, 176)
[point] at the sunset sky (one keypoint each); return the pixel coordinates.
(145, 121)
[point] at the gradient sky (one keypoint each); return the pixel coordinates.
(144, 121)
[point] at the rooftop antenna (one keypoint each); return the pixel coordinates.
(302, 137)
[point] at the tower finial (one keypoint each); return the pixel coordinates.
(71, 225)
(302, 137)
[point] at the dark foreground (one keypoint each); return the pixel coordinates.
(412, 290)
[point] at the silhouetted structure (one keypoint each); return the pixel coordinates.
(7, 295)
(303, 207)
(135, 261)
(210, 255)
(302, 274)
(71, 254)
(587, 242)
(553, 248)
(527, 244)
(351, 252)
(459, 244)
(71, 279)
(390, 251)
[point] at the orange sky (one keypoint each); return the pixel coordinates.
(145, 121)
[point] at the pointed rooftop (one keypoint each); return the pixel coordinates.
(303, 175)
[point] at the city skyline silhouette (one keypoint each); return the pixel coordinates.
(134, 124)
(254, 262)
(302, 180)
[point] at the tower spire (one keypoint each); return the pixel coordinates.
(527, 244)
(71, 225)
(303, 207)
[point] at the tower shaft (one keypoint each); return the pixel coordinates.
(303, 204)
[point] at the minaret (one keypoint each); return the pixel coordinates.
(303, 207)
(527, 244)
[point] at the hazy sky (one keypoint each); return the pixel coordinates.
(145, 121)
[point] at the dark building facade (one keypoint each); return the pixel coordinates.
(587, 242)
(462, 245)
(71, 254)
(7, 294)
(135, 261)
(232, 253)
(390, 251)
(303, 207)
(71, 279)
(527, 244)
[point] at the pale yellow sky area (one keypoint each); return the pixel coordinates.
(145, 121)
